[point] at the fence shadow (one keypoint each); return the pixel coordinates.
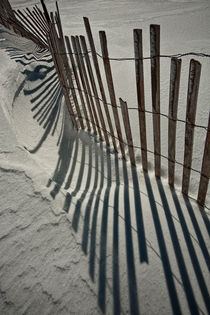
(40, 83)
(105, 204)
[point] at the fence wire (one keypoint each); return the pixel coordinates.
(179, 55)
(147, 111)
(139, 147)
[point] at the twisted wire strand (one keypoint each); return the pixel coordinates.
(147, 111)
(147, 150)
(178, 55)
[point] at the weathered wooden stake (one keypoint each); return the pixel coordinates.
(38, 22)
(192, 95)
(42, 18)
(138, 50)
(92, 81)
(128, 132)
(73, 40)
(110, 85)
(67, 67)
(31, 27)
(36, 25)
(54, 48)
(46, 14)
(98, 74)
(155, 81)
(172, 114)
(205, 170)
(77, 80)
(88, 91)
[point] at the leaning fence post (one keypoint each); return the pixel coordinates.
(93, 85)
(128, 133)
(90, 102)
(46, 14)
(54, 48)
(192, 95)
(110, 85)
(137, 33)
(67, 67)
(76, 52)
(42, 18)
(35, 26)
(205, 170)
(172, 114)
(77, 79)
(155, 82)
(98, 74)
(37, 21)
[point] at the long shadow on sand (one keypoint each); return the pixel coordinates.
(105, 205)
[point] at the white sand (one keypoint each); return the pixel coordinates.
(80, 231)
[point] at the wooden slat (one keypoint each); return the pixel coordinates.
(36, 25)
(46, 14)
(79, 88)
(98, 74)
(205, 170)
(192, 95)
(110, 85)
(138, 50)
(53, 41)
(37, 22)
(19, 28)
(32, 27)
(29, 27)
(172, 114)
(73, 40)
(155, 81)
(92, 81)
(62, 50)
(67, 67)
(91, 103)
(42, 18)
(128, 132)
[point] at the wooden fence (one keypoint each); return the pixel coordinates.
(80, 76)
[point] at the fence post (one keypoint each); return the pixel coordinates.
(205, 170)
(77, 79)
(35, 26)
(53, 44)
(32, 29)
(172, 114)
(43, 20)
(98, 74)
(36, 22)
(46, 14)
(92, 81)
(90, 98)
(137, 34)
(67, 67)
(110, 85)
(76, 52)
(155, 82)
(128, 133)
(192, 95)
